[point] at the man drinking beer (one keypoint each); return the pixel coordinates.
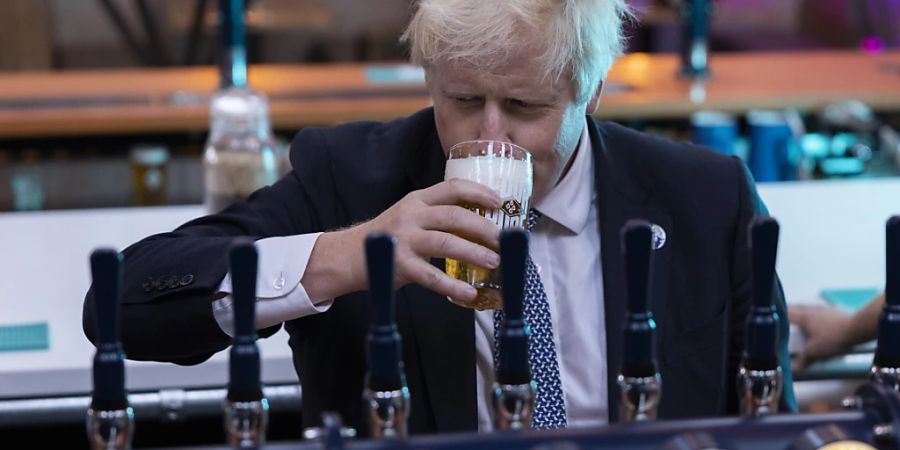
(528, 73)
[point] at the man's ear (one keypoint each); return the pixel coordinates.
(594, 104)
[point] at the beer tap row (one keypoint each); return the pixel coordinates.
(874, 419)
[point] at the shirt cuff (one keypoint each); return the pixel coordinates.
(279, 294)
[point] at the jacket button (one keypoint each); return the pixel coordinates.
(187, 279)
(160, 283)
(147, 285)
(173, 282)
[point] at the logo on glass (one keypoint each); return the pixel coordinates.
(512, 207)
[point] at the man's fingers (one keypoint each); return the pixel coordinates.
(456, 190)
(438, 244)
(435, 280)
(463, 222)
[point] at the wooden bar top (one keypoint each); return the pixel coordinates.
(132, 101)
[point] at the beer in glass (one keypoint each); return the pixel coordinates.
(505, 168)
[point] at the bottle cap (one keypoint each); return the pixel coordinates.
(238, 110)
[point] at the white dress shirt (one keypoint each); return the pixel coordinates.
(571, 273)
(565, 246)
(279, 296)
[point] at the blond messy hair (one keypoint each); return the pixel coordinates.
(578, 38)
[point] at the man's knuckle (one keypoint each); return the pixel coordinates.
(489, 227)
(432, 279)
(456, 184)
(451, 215)
(445, 243)
(414, 241)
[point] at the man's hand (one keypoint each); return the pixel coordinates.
(426, 224)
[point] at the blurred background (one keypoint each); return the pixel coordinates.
(91, 86)
(105, 118)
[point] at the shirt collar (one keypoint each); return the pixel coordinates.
(569, 202)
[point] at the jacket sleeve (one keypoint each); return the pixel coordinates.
(751, 205)
(171, 279)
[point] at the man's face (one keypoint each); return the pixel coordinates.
(514, 105)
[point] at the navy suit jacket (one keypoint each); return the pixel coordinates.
(351, 173)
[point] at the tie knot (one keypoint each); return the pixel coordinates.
(533, 216)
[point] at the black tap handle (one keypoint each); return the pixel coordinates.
(380, 265)
(888, 350)
(892, 260)
(639, 355)
(512, 358)
(109, 361)
(761, 352)
(637, 246)
(243, 260)
(107, 278)
(244, 383)
(513, 254)
(385, 357)
(764, 248)
(233, 51)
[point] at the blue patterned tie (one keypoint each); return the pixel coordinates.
(549, 408)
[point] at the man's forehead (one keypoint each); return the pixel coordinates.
(502, 77)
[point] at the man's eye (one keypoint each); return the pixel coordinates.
(522, 104)
(466, 99)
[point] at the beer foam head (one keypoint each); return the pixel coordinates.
(510, 178)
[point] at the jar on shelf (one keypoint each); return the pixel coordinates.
(241, 154)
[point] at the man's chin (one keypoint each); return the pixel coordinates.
(543, 185)
(538, 193)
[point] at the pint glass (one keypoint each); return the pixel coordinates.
(505, 168)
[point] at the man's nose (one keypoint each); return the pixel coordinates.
(494, 124)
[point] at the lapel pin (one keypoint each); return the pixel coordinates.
(659, 236)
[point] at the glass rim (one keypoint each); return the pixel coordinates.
(504, 144)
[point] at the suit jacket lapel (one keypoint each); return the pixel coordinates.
(622, 196)
(444, 332)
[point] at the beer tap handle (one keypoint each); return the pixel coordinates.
(892, 260)
(246, 410)
(244, 365)
(109, 363)
(762, 326)
(110, 420)
(639, 382)
(512, 361)
(386, 392)
(639, 353)
(514, 391)
(886, 365)
(759, 377)
(386, 368)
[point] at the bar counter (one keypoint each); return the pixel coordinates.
(47, 279)
(174, 100)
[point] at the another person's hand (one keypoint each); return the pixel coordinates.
(426, 224)
(826, 329)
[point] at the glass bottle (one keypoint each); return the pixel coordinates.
(241, 154)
